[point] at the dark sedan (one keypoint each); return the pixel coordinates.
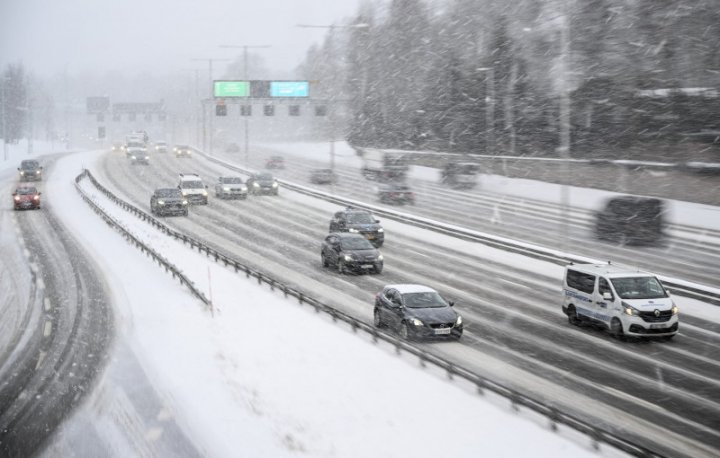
(26, 198)
(168, 201)
(416, 311)
(359, 222)
(262, 183)
(350, 252)
(323, 176)
(30, 170)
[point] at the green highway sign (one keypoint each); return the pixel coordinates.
(231, 88)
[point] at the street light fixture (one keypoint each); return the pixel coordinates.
(246, 77)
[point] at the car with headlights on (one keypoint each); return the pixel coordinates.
(30, 170)
(193, 189)
(26, 198)
(416, 311)
(161, 146)
(182, 151)
(262, 183)
(231, 188)
(139, 156)
(168, 201)
(359, 222)
(350, 253)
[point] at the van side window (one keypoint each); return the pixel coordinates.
(604, 287)
(581, 281)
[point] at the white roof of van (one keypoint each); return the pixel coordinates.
(609, 270)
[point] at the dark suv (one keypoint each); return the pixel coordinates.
(168, 201)
(350, 252)
(631, 220)
(30, 170)
(360, 222)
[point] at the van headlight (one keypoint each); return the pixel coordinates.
(630, 310)
(675, 310)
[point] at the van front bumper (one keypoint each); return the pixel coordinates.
(640, 328)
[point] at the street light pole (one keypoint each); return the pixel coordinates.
(4, 120)
(246, 77)
(210, 97)
(331, 107)
(489, 109)
(564, 124)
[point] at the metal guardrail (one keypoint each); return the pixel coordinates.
(169, 267)
(482, 384)
(683, 288)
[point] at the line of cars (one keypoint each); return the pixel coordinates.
(27, 197)
(191, 190)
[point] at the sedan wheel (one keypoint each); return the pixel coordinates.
(404, 333)
(377, 321)
(616, 328)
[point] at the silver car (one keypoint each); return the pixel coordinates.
(231, 188)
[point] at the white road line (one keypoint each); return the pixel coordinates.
(48, 304)
(47, 329)
(41, 358)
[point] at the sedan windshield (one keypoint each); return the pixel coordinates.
(265, 177)
(171, 192)
(423, 300)
(638, 288)
(192, 184)
(231, 180)
(359, 243)
(26, 191)
(360, 218)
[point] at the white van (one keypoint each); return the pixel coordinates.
(626, 302)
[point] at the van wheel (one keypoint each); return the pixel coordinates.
(572, 316)
(616, 329)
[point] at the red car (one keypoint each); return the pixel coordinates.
(26, 197)
(275, 162)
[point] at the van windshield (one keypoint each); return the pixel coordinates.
(638, 288)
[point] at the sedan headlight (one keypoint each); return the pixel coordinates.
(184, 193)
(380, 257)
(226, 189)
(348, 257)
(352, 229)
(381, 230)
(256, 185)
(416, 322)
(17, 198)
(37, 172)
(133, 157)
(274, 185)
(458, 322)
(185, 202)
(22, 173)
(161, 202)
(204, 193)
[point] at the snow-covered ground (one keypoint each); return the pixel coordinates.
(264, 376)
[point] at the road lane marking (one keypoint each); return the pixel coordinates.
(47, 330)
(48, 305)
(41, 358)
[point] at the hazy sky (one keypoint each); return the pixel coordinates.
(159, 36)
